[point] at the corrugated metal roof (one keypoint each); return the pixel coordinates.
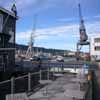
(8, 12)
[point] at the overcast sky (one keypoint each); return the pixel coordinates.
(57, 21)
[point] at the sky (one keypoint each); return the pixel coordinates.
(56, 21)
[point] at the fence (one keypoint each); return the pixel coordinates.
(26, 83)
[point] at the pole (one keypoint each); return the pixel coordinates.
(48, 73)
(53, 71)
(89, 52)
(77, 54)
(40, 74)
(29, 82)
(12, 85)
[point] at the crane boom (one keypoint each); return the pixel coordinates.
(80, 15)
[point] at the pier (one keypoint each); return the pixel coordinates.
(44, 85)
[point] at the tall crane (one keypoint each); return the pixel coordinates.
(83, 35)
(82, 30)
(30, 51)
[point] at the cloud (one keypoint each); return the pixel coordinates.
(93, 28)
(63, 37)
(46, 33)
(69, 46)
(27, 4)
(19, 3)
(67, 32)
(24, 6)
(97, 16)
(65, 19)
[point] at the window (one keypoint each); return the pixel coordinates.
(1, 22)
(97, 48)
(12, 35)
(97, 40)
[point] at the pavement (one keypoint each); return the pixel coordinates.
(63, 88)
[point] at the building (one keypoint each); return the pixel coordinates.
(7, 38)
(95, 47)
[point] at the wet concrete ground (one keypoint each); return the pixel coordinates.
(96, 84)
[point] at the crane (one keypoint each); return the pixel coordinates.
(30, 52)
(82, 30)
(83, 35)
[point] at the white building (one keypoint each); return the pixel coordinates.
(95, 47)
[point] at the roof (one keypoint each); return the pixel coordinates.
(7, 12)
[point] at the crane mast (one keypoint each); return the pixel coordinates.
(82, 30)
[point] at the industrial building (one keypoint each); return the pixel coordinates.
(7, 38)
(95, 47)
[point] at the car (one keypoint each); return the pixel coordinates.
(35, 58)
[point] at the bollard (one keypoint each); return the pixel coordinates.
(29, 82)
(89, 77)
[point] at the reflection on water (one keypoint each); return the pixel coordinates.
(69, 58)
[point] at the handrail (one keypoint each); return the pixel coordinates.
(22, 76)
(5, 81)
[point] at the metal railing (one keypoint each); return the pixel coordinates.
(24, 83)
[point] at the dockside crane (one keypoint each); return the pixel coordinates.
(82, 32)
(82, 29)
(30, 52)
